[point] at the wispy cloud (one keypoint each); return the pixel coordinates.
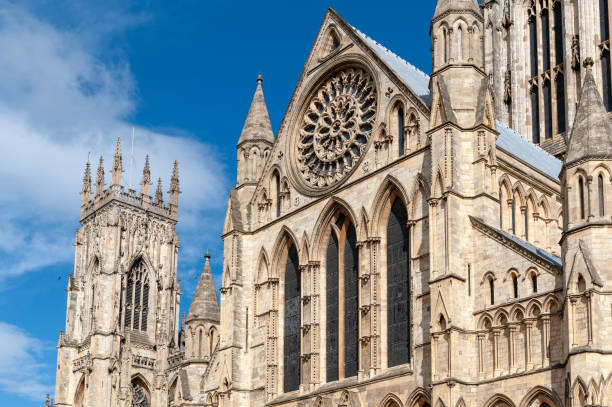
(21, 373)
(60, 100)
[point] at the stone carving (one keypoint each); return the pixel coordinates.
(508, 87)
(336, 128)
(576, 52)
(139, 397)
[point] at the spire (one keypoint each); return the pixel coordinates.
(174, 190)
(159, 195)
(455, 5)
(591, 136)
(205, 304)
(146, 178)
(100, 177)
(117, 164)
(86, 190)
(257, 126)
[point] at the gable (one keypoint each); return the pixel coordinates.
(343, 51)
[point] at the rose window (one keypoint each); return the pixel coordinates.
(336, 127)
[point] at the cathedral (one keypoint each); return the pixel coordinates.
(403, 240)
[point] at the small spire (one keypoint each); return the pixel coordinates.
(257, 125)
(205, 304)
(174, 189)
(117, 164)
(86, 190)
(591, 136)
(159, 195)
(146, 177)
(100, 177)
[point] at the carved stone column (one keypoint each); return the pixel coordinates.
(546, 340)
(528, 358)
(496, 367)
(511, 349)
(588, 298)
(481, 338)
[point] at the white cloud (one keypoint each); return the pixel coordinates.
(59, 101)
(20, 373)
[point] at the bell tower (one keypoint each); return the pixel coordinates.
(123, 298)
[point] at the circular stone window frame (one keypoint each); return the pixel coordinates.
(313, 86)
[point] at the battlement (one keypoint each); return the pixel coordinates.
(130, 197)
(117, 192)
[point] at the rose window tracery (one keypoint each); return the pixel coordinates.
(335, 128)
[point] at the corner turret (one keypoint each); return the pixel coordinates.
(255, 140)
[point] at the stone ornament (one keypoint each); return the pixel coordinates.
(335, 129)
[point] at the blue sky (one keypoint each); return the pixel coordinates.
(77, 74)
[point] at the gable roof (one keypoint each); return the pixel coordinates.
(518, 245)
(416, 79)
(515, 144)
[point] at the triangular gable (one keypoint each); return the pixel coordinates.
(404, 75)
(582, 263)
(537, 256)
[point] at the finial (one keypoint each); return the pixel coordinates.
(146, 178)
(588, 63)
(259, 79)
(159, 195)
(174, 189)
(100, 177)
(117, 164)
(207, 256)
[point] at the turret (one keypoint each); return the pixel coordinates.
(202, 322)
(255, 140)
(587, 231)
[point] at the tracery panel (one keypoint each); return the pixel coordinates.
(331, 262)
(292, 321)
(136, 306)
(351, 303)
(398, 286)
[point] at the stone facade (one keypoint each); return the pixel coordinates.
(396, 244)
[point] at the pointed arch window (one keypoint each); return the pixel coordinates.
(604, 27)
(605, 74)
(534, 282)
(560, 85)
(535, 114)
(558, 17)
(136, 308)
(600, 194)
(547, 110)
(533, 46)
(140, 395)
(342, 310)
(515, 289)
(513, 216)
(277, 193)
(401, 139)
(398, 285)
(200, 343)
(492, 291)
(581, 197)
(291, 340)
(445, 36)
(545, 39)
(460, 43)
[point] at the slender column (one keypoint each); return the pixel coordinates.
(546, 339)
(511, 349)
(528, 326)
(434, 354)
(496, 368)
(573, 320)
(589, 318)
(481, 337)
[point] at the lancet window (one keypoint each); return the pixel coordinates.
(342, 310)
(136, 308)
(291, 340)
(398, 285)
(545, 21)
